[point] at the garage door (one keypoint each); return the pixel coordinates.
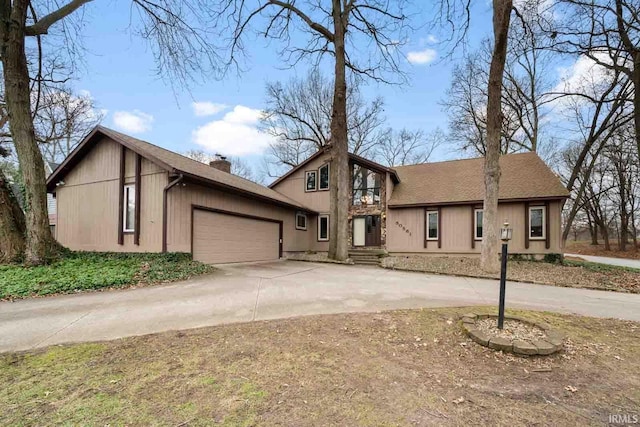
(221, 237)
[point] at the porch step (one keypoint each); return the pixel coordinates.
(366, 256)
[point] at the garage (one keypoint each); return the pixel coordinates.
(225, 237)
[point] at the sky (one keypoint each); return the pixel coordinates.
(118, 71)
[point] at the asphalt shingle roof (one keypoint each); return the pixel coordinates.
(523, 176)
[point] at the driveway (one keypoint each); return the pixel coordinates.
(621, 262)
(282, 289)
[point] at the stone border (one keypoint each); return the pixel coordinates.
(551, 344)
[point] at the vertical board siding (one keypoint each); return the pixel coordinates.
(88, 203)
(407, 227)
(181, 197)
(294, 187)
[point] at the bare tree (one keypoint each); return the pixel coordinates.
(607, 32)
(62, 120)
(501, 18)
(179, 47)
(337, 29)
(525, 93)
(597, 110)
(407, 147)
(298, 115)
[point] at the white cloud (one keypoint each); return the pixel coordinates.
(132, 121)
(236, 134)
(422, 57)
(432, 39)
(206, 108)
(584, 76)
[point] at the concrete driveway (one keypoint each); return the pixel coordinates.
(275, 290)
(621, 262)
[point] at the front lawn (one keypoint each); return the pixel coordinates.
(574, 274)
(82, 271)
(409, 367)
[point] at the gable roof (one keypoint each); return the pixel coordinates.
(353, 157)
(174, 163)
(524, 176)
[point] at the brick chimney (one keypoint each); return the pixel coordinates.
(221, 163)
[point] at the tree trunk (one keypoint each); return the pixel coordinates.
(490, 242)
(39, 242)
(12, 227)
(604, 229)
(339, 230)
(636, 97)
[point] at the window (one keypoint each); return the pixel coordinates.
(432, 225)
(129, 212)
(324, 177)
(310, 181)
(477, 226)
(301, 221)
(366, 186)
(537, 222)
(323, 228)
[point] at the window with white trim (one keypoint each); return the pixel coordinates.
(477, 224)
(310, 180)
(129, 209)
(323, 228)
(301, 221)
(537, 222)
(323, 173)
(432, 225)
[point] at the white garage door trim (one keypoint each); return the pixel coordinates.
(233, 214)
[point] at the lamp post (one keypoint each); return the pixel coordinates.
(505, 236)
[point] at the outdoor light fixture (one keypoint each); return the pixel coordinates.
(505, 236)
(506, 232)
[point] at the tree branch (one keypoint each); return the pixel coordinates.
(42, 26)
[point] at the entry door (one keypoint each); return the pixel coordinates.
(366, 230)
(372, 232)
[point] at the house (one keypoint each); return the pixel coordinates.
(118, 193)
(434, 208)
(49, 167)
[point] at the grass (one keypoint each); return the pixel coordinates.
(574, 274)
(408, 367)
(83, 271)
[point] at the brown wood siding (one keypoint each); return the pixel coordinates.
(456, 233)
(88, 211)
(180, 199)
(294, 187)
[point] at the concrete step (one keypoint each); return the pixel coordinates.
(367, 252)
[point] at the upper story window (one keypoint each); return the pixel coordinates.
(129, 209)
(477, 226)
(366, 186)
(324, 177)
(432, 225)
(537, 222)
(310, 181)
(301, 221)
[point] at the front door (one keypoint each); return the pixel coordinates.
(366, 230)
